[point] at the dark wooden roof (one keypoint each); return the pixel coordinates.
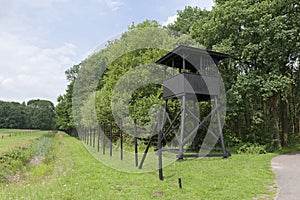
(191, 55)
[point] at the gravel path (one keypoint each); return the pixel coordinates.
(287, 170)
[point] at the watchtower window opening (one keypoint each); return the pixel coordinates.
(184, 59)
(190, 70)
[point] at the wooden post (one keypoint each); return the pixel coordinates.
(86, 135)
(182, 128)
(94, 136)
(135, 144)
(110, 138)
(180, 183)
(159, 152)
(103, 140)
(98, 139)
(220, 128)
(91, 136)
(83, 134)
(121, 140)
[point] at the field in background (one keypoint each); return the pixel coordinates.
(74, 174)
(10, 138)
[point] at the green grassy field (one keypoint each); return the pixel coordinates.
(75, 174)
(14, 137)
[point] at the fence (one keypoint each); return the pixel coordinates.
(103, 136)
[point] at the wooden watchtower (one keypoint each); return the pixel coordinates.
(194, 78)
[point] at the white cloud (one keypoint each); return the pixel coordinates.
(32, 34)
(43, 3)
(170, 20)
(114, 5)
(6, 82)
(6, 7)
(28, 71)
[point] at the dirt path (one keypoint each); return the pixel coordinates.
(287, 170)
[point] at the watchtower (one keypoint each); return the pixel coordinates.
(193, 78)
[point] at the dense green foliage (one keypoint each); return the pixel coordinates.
(262, 76)
(36, 114)
(95, 78)
(12, 115)
(13, 160)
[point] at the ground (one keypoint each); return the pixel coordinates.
(287, 170)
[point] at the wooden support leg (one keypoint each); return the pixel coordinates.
(159, 143)
(159, 151)
(220, 128)
(181, 143)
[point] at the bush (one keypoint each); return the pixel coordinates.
(232, 141)
(250, 148)
(13, 160)
(42, 146)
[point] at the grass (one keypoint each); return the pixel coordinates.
(14, 137)
(42, 147)
(18, 149)
(291, 148)
(76, 174)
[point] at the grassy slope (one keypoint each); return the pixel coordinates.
(77, 175)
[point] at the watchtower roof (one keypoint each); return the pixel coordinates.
(190, 56)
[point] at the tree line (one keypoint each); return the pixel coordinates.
(262, 77)
(35, 114)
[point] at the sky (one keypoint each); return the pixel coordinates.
(41, 39)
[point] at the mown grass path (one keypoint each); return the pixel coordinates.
(77, 175)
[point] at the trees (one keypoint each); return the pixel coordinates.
(261, 77)
(262, 38)
(12, 115)
(99, 74)
(63, 110)
(187, 19)
(37, 114)
(41, 114)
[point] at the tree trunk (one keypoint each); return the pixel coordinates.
(273, 111)
(236, 128)
(284, 123)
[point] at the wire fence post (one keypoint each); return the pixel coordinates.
(94, 136)
(121, 140)
(91, 136)
(159, 151)
(135, 144)
(103, 140)
(98, 139)
(110, 138)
